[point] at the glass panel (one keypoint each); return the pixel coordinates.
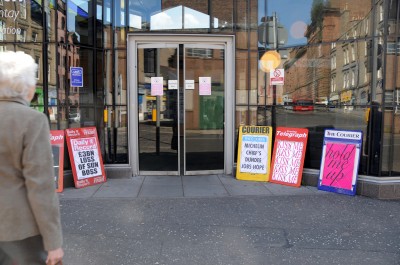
(221, 15)
(158, 114)
(21, 21)
(80, 98)
(204, 109)
(119, 23)
(185, 16)
(80, 19)
(316, 19)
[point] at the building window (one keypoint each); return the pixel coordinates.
(353, 53)
(2, 27)
(202, 53)
(391, 48)
(353, 78)
(333, 61)
(37, 60)
(366, 26)
(346, 56)
(21, 37)
(333, 45)
(381, 12)
(333, 84)
(34, 36)
(22, 9)
(346, 80)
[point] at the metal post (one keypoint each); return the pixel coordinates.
(273, 113)
(158, 103)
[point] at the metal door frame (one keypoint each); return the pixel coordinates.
(167, 41)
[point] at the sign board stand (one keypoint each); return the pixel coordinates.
(85, 155)
(57, 147)
(254, 153)
(340, 160)
(288, 157)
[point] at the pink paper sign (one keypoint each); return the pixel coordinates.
(157, 84)
(204, 86)
(338, 170)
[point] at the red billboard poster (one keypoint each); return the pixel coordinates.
(57, 147)
(85, 155)
(288, 156)
(340, 160)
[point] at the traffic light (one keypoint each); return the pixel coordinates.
(379, 57)
(370, 55)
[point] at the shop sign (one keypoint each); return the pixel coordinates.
(57, 147)
(76, 75)
(346, 96)
(254, 154)
(85, 155)
(288, 156)
(340, 160)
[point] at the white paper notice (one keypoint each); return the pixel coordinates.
(205, 86)
(189, 84)
(172, 84)
(157, 86)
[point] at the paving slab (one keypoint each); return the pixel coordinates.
(278, 189)
(82, 193)
(241, 188)
(120, 188)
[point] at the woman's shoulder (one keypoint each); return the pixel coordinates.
(23, 112)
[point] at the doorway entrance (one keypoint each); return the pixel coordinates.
(183, 86)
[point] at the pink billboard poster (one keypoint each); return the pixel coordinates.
(339, 163)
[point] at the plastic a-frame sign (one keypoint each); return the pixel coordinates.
(57, 147)
(254, 153)
(340, 161)
(85, 155)
(288, 156)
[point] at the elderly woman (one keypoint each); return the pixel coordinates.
(29, 207)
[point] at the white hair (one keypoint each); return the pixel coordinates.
(17, 74)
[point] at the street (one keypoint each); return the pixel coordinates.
(315, 228)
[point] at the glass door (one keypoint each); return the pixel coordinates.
(179, 105)
(204, 96)
(157, 94)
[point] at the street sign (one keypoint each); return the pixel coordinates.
(277, 77)
(266, 34)
(76, 75)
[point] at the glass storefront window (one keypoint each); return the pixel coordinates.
(340, 55)
(80, 18)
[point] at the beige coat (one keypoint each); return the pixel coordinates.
(29, 205)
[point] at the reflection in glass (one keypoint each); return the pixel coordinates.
(204, 111)
(79, 21)
(158, 115)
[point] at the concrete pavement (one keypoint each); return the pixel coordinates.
(210, 220)
(184, 186)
